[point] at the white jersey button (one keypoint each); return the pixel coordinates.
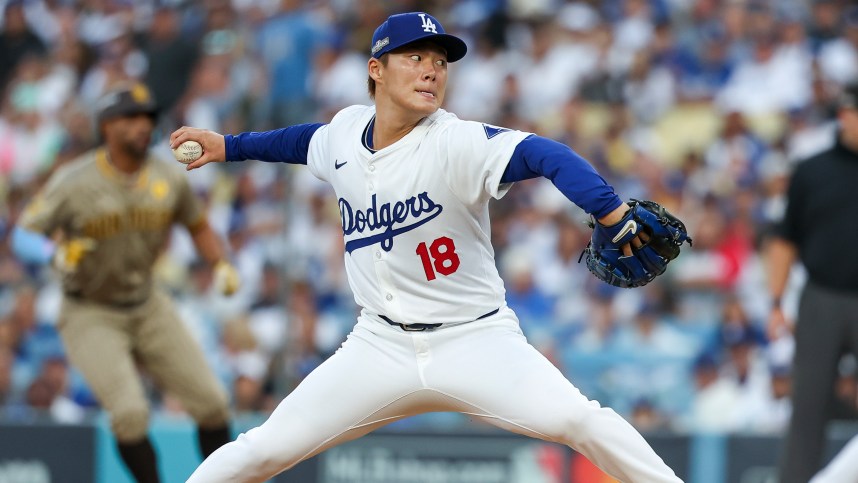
(377, 254)
(370, 186)
(389, 297)
(372, 167)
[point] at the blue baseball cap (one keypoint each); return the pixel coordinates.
(405, 28)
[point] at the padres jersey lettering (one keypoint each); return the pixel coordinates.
(129, 218)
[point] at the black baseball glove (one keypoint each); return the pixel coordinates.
(664, 234)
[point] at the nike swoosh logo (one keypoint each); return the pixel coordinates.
(630, 226)
(338, 165)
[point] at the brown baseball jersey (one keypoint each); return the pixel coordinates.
(128, 216)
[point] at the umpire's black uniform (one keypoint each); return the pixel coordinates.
(821, 221)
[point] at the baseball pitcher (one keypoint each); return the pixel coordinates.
(413, 184)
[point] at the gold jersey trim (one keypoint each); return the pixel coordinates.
(110, 172)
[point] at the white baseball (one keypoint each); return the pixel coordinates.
(188, 152)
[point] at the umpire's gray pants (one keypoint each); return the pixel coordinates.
(827, 327)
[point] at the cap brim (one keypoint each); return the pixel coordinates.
(153, 112)
(455, 47)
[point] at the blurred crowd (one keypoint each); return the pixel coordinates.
(704, 106)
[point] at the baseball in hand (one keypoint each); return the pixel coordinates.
(188, 152)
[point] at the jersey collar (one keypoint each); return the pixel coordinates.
(366, 137)
(139, 179)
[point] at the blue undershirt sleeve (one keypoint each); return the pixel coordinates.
(570, 173)
(31, 247)
(286, 145)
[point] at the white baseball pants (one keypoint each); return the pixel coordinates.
(843, 468)
(484, 368)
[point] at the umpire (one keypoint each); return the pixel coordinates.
(113, 210)
(820, 229)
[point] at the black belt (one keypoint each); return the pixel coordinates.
(78, 296)
(422, 327)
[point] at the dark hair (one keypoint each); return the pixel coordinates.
(370, 82)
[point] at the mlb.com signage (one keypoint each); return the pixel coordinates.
(48, 453)
(35, 453)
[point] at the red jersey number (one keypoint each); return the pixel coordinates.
(439, 257)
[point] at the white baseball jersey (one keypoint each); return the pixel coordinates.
(415, 214)
(416, 226)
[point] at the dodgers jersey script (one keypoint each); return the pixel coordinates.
(415, 214)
